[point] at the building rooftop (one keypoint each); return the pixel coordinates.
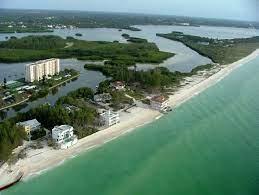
(41, 61)
(160, 99)
(62, 128)
(32, 123)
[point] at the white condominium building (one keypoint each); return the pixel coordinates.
(36, 71)
(110, 118)
(64, 136)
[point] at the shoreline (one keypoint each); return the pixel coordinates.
(41, 160)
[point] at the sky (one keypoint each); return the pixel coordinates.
(228, 9)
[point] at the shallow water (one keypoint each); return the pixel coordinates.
(209, 145)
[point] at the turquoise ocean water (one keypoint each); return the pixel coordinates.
(207, 146)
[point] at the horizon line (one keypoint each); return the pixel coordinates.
(133, 13)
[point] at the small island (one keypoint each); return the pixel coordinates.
(134, 39)
(32, 48)
(126, 36)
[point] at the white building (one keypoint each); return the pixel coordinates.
(29, 126)
(64, 136)
(159, 102)
(118, 85)
(110, 118)
(102, 97)
(36, 71)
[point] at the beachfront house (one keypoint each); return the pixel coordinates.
(64, 136)
(159, 102)
(110, 118)
(30, 126)
(118, 85)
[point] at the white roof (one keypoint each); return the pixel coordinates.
(32, 123)
(42, 61)
(62, 128)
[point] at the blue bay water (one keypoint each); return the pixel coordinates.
(207, 146)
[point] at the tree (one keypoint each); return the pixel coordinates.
(11, 137)
(43, 79)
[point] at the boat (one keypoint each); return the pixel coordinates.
(16, 180)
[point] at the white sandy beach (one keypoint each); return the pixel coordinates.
(43, 159)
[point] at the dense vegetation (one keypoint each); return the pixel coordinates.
(152, 79)
(46, 42)
(10, 138)
(41, 47)
(38, 134)
(223, 51)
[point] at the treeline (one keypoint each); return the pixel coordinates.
(34, 42)
(18, 29)
(110, 20)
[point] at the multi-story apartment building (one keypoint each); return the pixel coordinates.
(64, 136)
(110, 118)
(36, 71)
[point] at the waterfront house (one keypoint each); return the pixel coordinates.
(118, 85)
(159, 102)
(64, 136)
(105, 97)
(110, 118)
(30, 126)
